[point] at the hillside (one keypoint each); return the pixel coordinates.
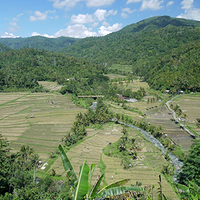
(23, 68)
(38, 42)
(135, 43)
(158, 48)
(3, 48)
(148, 46)
(178, 70)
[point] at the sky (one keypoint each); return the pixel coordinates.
(84, 18)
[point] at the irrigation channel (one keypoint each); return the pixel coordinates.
(174, 160)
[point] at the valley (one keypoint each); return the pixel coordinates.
(146, 75)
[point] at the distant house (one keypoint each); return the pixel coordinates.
(121, 97)
(126, 98)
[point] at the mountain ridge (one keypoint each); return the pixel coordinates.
(157, 48)
(57, 44)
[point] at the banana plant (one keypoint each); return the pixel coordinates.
(190, 191)
(83, 186)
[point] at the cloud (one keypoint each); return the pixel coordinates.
(151, 5)
(190, 11)
(95, 24)
(98, 3)
(133, 1)
(82, 19)
(18, 16)
(81, 31)
(98, 16)
(193, 13)
(170, 3)
(67, 4)
(41, 16)
(64, 4)
(187, 4)
(126, 11)
(44, 35)
(9, 35)
(12, 26)
(76, 31)
(101, 14)
(103, 30)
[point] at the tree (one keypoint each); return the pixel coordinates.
(191, 191)
(82, 184)
(191, 170)
(198, 122)
(24, 161)
(5, 160)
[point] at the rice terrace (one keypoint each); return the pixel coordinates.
(111, 117)
(40, 120)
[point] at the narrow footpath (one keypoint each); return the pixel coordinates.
(176, 119)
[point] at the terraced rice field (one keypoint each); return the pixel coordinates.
(134, 85)
(39, 120)
(190, 105)
(163, 118)
(147, 166)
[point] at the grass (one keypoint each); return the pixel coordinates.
(114, 76)
(52, 86)
(146, 167)
(162, 117)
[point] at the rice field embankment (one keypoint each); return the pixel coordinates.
(190, 105)
(147, 166)
(163, 117)
(39, 120)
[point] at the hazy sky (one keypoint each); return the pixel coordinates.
(84, 18)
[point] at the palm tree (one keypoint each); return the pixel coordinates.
(34, 162)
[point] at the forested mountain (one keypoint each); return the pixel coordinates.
(157, 48)
(138, 42)
(38, 42)
(3, 48)
(178, 70)
(23, 68)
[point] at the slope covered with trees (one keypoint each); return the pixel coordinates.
(137, 43)
(23, 68)
(179, 70)
(157, 48)
(38, 42)
(3, 48)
